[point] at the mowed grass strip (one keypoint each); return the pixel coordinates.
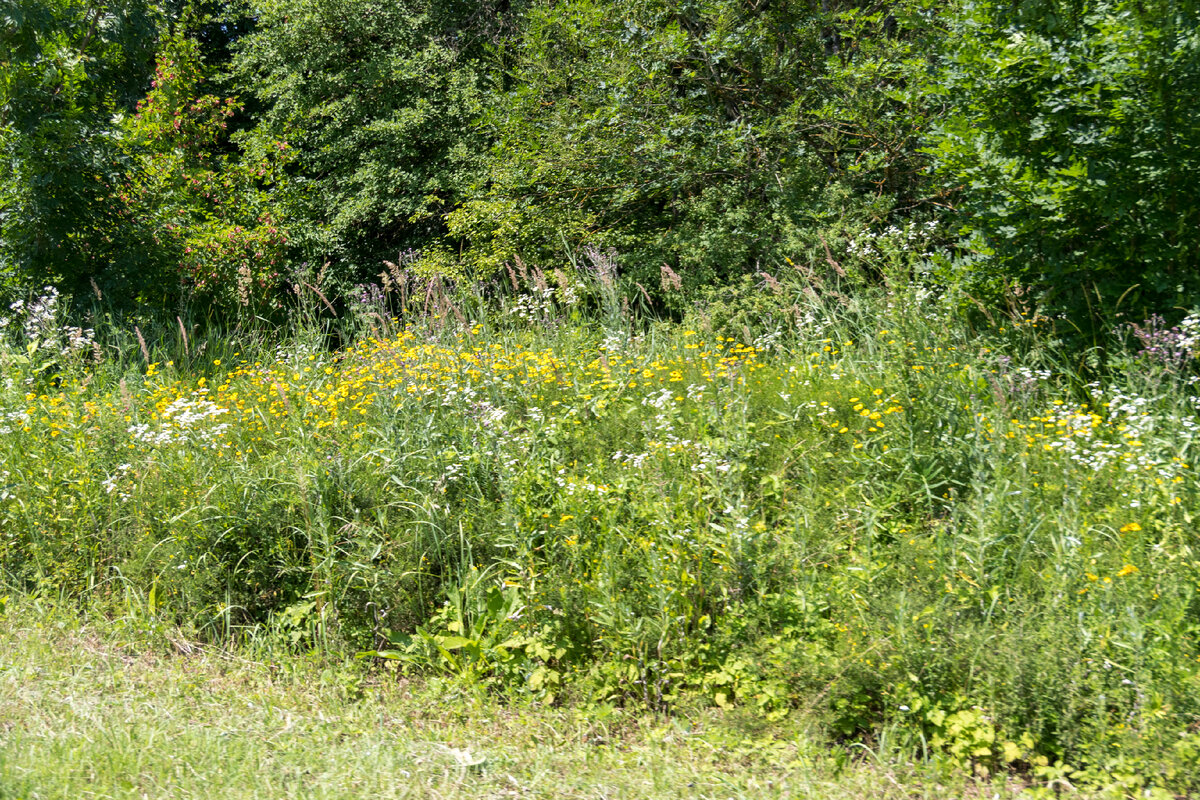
(88, 711)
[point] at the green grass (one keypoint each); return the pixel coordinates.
(89, 710)
(901, 527)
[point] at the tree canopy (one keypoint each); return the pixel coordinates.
(211, 153)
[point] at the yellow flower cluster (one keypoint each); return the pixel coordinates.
(254, 403)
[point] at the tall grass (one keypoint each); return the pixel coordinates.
(918, 529)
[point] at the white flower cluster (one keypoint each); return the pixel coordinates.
(455, 395)
(1189, 331)
(113, 481)
(1022, 383)
(614, 341)
(768, 340)
(812, 322)
(77, 339)
(13, 421)
(183, 421)
(489, 414)
(635, 460)
(572, 484)
(1145, 445)
(913, 237)
(709, 461)
(453, 472)
(534, 306)
(703, 458)
(1031, 375)
(568, 295)
(39, 325)
(660, 399)
(41, 315)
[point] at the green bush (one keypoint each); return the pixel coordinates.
(376, 104)
(69, 72)
(716, 138)
(1073, 136)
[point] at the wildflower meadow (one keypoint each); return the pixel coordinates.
(900, 523)
(599, 398)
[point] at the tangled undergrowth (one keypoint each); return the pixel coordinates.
(915, 530)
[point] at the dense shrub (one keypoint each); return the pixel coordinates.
(1074, 136)
(714, 137)
(375, 101)
(68, 71)
(212, 212)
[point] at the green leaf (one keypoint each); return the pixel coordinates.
(455, 642)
